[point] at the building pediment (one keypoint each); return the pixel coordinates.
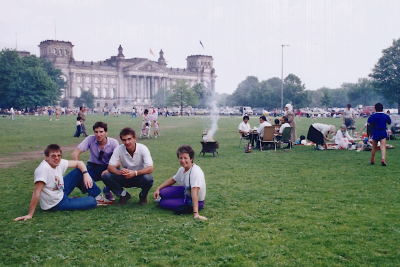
(146, 66)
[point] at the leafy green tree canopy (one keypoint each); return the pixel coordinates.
(28, 81)
(386, 74)
(181, 95)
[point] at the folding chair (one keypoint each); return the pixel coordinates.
(268, 136)
(286, 136)
(246, 137)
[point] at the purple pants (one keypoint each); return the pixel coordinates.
(173, 197)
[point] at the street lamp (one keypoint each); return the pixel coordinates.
(282, 78)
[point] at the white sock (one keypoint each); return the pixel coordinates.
(123, 193)
(99, 196)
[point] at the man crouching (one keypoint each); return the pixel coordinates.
(52, 191)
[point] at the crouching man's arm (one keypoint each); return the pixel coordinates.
(35, 198)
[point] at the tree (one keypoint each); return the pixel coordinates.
(326, 99)
(181, 95)
(294, 92)
(242, 95)
(28, 81)
(386, 74)
(161, 97)
(203, 94)
(88, 98)
(78, 102)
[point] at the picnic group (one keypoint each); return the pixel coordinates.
(130, 164)
(318, 133)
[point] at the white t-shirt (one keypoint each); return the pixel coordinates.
(245, 127)
(78, 123)
(283, 127)
(141, 157)
(196, 180)
(348, 114)
(53, 191)
(260, 129)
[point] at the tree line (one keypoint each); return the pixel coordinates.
(28, 81)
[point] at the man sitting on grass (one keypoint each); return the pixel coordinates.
(136, 168)
(52, 190)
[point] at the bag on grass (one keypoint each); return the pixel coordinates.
(183, 209)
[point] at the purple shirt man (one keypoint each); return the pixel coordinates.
(101, 149)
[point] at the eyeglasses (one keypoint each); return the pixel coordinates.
(55, 156)
(100, 154)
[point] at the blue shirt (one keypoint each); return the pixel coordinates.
(378, 121)
(90, 142)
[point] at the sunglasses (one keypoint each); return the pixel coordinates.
(101, 154)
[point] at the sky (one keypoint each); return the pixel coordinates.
(331, 42)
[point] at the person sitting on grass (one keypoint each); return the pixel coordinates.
(52, 190)
(342, 138)
(189, 196)
(379, 121)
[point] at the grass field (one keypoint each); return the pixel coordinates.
(287, 208)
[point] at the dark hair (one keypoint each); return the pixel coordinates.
(285, 119)
(81, 107)
(263, 117)
(349, 105)
(51, 148)
(276, 121)
(378, 107)
(78, 118)
(146, 111)
(185, 149)
(147, 124)
(302, 137)
(127, 131)
(101, 125)
(246, 117)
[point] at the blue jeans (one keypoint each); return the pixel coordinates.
(133, 114)
(95, 171)
(72, 180)
(116, 183)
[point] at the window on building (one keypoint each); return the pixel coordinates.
(78, 92)
(66, 51)
(96, 92)
(61, 52)
(104, 93)
(78, 79)
(87, 80)
(112, 80)
(98, 105)
(55, 51)
(96, 80)
(104, 80)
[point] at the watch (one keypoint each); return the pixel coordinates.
(84, 172)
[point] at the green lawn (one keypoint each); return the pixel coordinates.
(287, 208)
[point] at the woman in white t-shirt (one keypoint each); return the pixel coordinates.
(190, 194)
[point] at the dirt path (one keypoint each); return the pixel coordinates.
(16, 158)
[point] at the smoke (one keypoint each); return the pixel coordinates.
(214, 116)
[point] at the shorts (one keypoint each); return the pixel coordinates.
(348, 122)
(378, 135)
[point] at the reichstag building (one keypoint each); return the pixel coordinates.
(122, 82)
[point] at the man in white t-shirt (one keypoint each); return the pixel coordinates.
(52, 190)
(260, 130)
(136, 168)
(283, 126)
(244, 127)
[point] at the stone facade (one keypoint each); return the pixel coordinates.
(123, 82)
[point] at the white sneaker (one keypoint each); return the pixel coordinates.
(102, 201)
